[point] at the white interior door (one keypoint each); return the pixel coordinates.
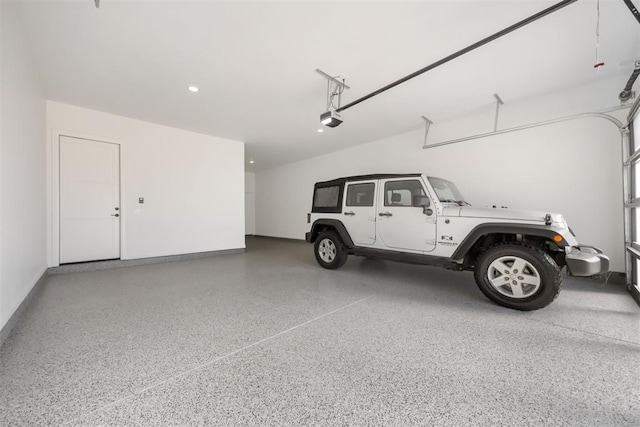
(89, 200)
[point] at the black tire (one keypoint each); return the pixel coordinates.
(518, 277)
(329, 250)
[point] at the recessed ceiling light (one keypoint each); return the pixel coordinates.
(193, 89)
(251, 161)
(320, 130)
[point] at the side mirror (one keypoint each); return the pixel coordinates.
(421, 201)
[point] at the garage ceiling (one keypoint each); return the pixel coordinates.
(255, 62)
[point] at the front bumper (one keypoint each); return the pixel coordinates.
(586, 261)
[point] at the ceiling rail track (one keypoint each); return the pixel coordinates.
(612, 119)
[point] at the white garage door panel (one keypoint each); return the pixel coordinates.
(89, 196)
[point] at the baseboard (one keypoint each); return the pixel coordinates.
(287, 239)
(105, 265)
(6, 329)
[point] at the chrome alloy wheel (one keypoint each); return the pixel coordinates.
(327, 250)
(514, 277)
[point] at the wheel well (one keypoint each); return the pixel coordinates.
(333, 225)
(319, 229)
(488, 240)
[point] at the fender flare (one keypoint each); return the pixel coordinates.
(483, 230)
(331, 223)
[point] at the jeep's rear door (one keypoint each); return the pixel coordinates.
(359, 212)
(401, 225)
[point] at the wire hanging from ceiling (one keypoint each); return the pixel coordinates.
(598, 63)
(337, 90)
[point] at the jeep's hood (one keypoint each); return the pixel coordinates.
(499, 213)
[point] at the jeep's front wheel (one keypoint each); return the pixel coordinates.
(518, 277)
(330, 251)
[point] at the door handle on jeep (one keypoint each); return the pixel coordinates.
(385, 214)
(350, 213)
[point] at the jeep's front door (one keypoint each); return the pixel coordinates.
(359, 212)
(401, 225)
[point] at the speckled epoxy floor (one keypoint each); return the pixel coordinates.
(270, 338)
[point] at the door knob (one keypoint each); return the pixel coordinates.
(116, 215)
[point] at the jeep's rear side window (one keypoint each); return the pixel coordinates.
(327, 199)
(360, 194)
(401, 193)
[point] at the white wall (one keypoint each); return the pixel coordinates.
(249, 203)
(572, 167)
(192, 184)
(22, 166)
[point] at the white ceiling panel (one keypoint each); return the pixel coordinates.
(255, 62)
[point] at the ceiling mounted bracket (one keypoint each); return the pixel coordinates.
(427, 126)
(335, 87)
(331, 78)
(499, 102)
(97, 3)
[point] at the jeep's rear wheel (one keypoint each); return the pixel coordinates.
(518, 277)
(330, 251)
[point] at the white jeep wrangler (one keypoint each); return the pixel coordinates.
(516, 256)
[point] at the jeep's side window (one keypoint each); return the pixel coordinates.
(326, 197)
(401, 193)
(360, 194)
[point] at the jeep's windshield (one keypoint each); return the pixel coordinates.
(447, 191)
